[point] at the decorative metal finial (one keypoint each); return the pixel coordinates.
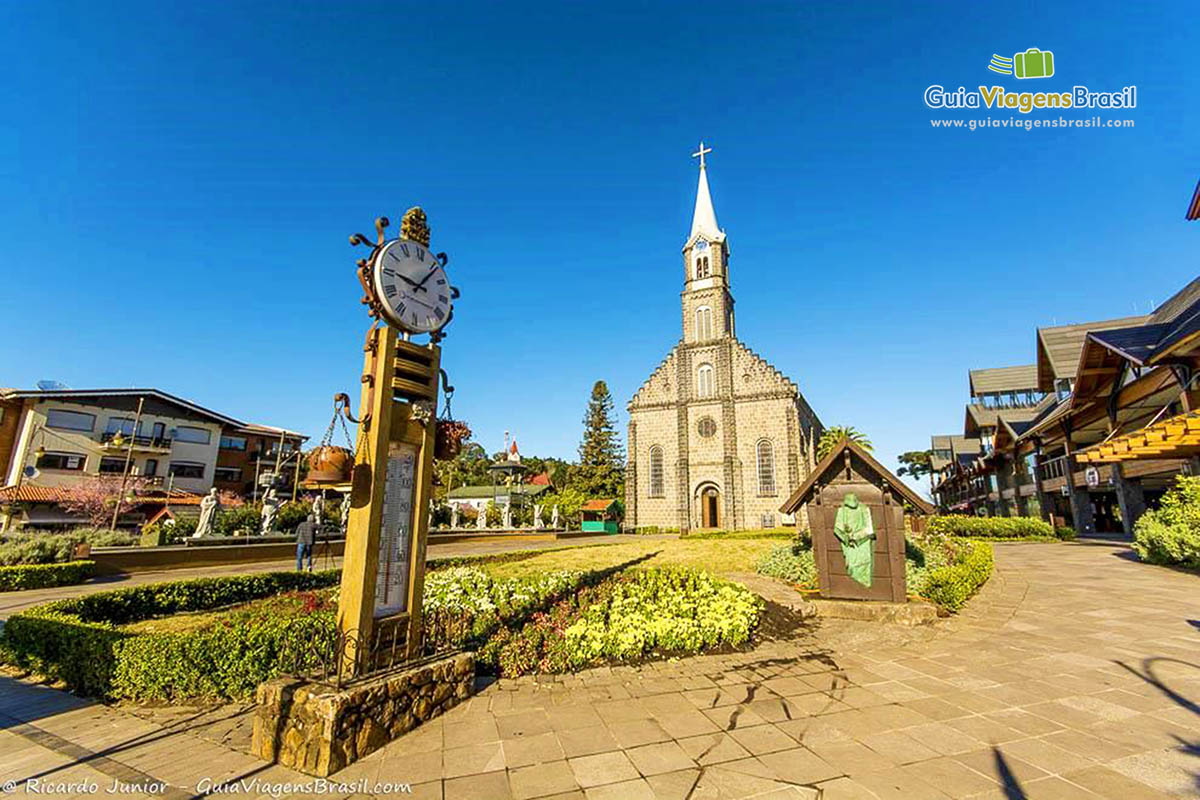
(700, 153)
(414, 226)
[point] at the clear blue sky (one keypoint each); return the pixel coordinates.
(177, 182)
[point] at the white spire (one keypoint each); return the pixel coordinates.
(704, 218)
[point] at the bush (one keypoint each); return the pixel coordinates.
(1065, 533)
(77, 640)
(963, 525)
(40, 576)
(53, 548)
(793, 563)
(952, 584)
(1171, 534)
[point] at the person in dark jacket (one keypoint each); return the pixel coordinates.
(306, 537)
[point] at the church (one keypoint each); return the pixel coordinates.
(718, 437)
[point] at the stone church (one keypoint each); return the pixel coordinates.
(718, 437)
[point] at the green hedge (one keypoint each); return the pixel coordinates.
(77, 640)
(962, 525)
(39, 576)
(952, 584)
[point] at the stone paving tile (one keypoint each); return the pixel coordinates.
(799, 765)
(674, 785)
(486, 786)
(713, 748)
(587, 741)
(602, 768)
(541, 780)
(637, 732)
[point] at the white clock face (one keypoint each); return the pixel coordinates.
(412, 287)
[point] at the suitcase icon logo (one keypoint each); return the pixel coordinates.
(1033, 63)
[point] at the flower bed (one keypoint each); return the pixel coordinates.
(155, 642)
(40, 576)
(629, 617)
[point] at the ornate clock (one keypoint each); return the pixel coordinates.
(411, 287)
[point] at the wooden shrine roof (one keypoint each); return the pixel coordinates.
(804, 493)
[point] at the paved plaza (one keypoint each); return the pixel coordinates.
(1074, 674)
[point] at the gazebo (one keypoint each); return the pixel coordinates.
(601, 516)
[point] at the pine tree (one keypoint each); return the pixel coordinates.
(601, 469)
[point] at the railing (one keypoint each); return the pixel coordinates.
(161, 442)
(1053, 468)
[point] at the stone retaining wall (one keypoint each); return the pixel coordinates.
(319, 730)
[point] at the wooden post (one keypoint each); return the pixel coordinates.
(398, 435)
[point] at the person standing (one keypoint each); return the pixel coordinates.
(306, 537)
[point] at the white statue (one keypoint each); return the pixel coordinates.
(481, 520)
(270, 507)
(554, 517)
(209, 507)
(453, 516)
(506, 514)
(319, 507)
(538, 522)
(345, 513)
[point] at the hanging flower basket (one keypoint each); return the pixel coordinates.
(450, 436)
(329, 464)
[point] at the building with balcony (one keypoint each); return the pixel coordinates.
(1112, 430)
(57, 439)
(248, 451)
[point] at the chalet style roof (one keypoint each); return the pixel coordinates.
(29, 493)
(956, 444)
(1003, 379)
(979, 416)
(1058, 347)
(804, 493)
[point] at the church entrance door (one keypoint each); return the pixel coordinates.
(708, 508)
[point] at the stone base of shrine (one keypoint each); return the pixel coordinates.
(912, 613)
(318, 730)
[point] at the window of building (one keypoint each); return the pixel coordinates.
(702, 270)
(233, 442)
(110, 464)
(656, 472)
(186, 433)
(228, 474)
(767, 521)
(151, 467)
(123, 425)
(706, 427)
(766, 468)
(70, 420)
(65, 461)
(186, 469)
(704, 381)
(703, 323)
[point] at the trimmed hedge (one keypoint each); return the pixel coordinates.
(952, 584)
(963, 525)
(1170, 534)
(40, 576)
(77, 640)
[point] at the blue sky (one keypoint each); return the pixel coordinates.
(177, 182)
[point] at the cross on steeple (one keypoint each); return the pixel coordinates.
(700, 153)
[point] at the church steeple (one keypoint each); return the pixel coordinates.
(704, 218)
(707, 303)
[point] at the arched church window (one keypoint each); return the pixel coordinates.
(656, 472)
(704, 381)
(703, 323)
(766, 468)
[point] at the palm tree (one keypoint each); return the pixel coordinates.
(832, 436)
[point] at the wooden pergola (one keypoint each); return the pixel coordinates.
(1177, 437)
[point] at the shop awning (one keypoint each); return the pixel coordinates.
(1177, 437)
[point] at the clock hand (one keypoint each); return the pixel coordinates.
(428, 275)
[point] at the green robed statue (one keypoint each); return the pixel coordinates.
(855, 530)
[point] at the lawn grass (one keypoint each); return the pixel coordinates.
(718, 556)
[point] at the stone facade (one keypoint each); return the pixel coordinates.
(319, 730)
(718, 437)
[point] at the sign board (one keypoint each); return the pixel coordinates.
(1092, 476)
(396, 532)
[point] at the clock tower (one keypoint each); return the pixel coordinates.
(707, 303)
